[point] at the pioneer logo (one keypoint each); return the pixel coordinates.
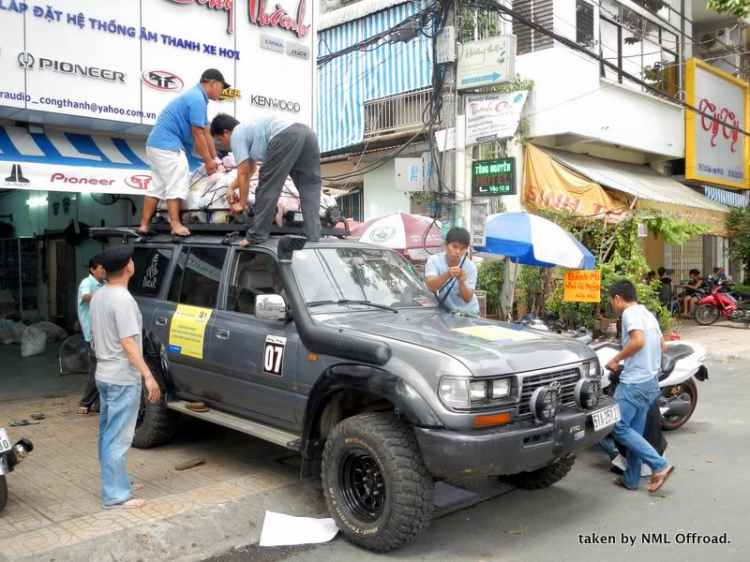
(274, 103)
(162, 80)
(60, 177)
(139, 181)
(28, 61)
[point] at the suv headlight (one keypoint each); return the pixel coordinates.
(591, 369)
(465, 394)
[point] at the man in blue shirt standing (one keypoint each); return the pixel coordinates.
(452, 275)
(285, 149)
(181, 128)
(642, 347)
(90, 402)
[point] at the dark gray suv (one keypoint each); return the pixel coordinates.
(337, 350)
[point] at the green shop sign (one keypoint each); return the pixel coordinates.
(490, 178)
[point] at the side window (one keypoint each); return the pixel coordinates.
(151, 266)
(253, 274)
(197, 276)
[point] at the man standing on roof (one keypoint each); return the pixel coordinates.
(181, 127)
(285, 149)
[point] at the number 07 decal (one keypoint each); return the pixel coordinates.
(273, 356)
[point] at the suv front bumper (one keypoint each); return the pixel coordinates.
(510, 449)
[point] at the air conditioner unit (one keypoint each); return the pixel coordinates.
(716, 41)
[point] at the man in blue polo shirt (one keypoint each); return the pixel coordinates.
(182, 127)
(89, 404)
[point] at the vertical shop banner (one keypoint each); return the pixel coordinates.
(124, 61)
(716, 150)
(493, 116)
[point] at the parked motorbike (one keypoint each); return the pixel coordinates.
(9, 458)
(721, 301)
(681, 364)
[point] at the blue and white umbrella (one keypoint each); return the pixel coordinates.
(532, 240)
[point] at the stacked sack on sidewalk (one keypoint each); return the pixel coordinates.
(207, 198)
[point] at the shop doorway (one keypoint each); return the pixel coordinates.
(61, 283)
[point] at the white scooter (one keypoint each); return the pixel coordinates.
(680, 365)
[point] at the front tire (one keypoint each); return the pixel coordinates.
(706, 314)
(687, 390)
(542, 477)
(156, 425)
(375, 483)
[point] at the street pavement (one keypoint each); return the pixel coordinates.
(707, 495)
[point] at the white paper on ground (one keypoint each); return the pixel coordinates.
(287, 530)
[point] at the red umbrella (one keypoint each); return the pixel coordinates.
(408, 234)
(352, 224)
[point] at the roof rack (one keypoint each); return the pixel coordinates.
(211, 229)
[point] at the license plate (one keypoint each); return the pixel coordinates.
(4, 441)
(606, 417)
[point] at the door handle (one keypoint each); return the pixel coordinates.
(161, 321)
(222, 334)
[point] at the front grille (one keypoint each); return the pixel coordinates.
(567, 378)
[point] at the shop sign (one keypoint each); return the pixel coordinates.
(582, 286)
(716, 149)
(162, 80)
(493, 116)
(486, 62)
(491, 178)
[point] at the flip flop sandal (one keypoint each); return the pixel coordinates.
(21, 423)
(199, 407)
(82, 411)
(660, 480)
(136, 503)
(37, 416)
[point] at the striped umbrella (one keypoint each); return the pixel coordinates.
(403, 232)
(532, 240)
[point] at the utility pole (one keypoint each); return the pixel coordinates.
(453, 169)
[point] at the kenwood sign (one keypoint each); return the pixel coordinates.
(274, 103)
(27, 61)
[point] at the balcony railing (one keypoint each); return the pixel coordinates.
(396, 114)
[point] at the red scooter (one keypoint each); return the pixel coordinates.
(720, 302)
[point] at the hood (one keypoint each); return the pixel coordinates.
(485, 347)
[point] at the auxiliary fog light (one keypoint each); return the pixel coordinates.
(543, 403)
(587, 392)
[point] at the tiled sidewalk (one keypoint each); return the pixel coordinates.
(55, 498)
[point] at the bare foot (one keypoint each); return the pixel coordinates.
(132, 503)
(180, 230)
(246, 243)
(143, 230)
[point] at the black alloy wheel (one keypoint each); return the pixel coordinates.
(363, 485)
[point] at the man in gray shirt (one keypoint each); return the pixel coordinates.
(117, 327)
(285, 149)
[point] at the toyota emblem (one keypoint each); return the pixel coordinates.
(26, 60)
(555, 385)
(139, 181)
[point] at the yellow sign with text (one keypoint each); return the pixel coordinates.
(582, 286)
(188, 330)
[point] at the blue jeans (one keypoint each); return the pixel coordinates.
(634, 401)
(117, 416)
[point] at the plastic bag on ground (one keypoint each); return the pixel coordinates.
(33, 342)
(53, 331)
(10, 331)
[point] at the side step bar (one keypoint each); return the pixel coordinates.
(259, 430)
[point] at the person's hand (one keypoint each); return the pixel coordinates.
(463, 276)
(232, 196)
(612, 365)
(211, 167)
(152, 387)
(238, 207)
(455, 272)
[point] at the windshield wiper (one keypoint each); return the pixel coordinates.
(347, 301)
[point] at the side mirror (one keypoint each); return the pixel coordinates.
(270, 307)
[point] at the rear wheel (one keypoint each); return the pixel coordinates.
(376, 486)
(706, 314)
(685, 392)
(3, 492)
(542, 477)
(156, 424)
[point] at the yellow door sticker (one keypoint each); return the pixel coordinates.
(188, 330)
(497, 333)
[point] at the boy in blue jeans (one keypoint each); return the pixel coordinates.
(642, 347)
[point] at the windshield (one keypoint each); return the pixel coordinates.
(381, 277)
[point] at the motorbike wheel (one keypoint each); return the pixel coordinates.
(706, 314)
(685, 390)
(3, 492)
